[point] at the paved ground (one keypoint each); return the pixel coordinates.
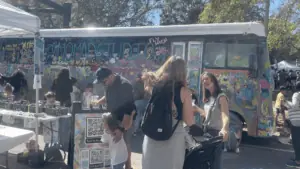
(255, 154)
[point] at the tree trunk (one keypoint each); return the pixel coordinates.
(266, 19)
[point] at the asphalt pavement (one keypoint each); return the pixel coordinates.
(254, 154)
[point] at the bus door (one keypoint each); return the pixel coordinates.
(192, 52)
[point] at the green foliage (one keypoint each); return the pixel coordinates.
(176, 12)
(219, 11)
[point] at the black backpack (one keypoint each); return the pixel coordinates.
(157, 122)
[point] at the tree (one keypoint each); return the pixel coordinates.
(104, 13)
(111, 13)
(176, 12)
(232, 11)
(284, 36)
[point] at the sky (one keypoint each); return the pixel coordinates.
(273, 7)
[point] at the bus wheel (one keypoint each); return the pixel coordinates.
(234, 134)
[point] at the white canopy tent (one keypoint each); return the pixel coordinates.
(15, 21)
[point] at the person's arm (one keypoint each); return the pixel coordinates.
(105, 137)
(102, 100)
(188, 113)
(225, 116)
(282, 101)
(294, 103)
(199, 110)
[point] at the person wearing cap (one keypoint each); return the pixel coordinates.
(280, 104)
(120, 102)
(293, 122)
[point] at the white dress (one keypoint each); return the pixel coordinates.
(167, 154)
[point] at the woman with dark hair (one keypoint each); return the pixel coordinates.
(18, 82)
(216, 111)
(62, 86)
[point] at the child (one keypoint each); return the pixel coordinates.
(8, 90)
(87, 96)
(280, 104)
(113, 135)
(50, 99)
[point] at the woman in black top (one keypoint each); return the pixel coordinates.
(18, 82)
(62, 86)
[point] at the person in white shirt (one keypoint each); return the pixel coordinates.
(117, 146)
(294, 125)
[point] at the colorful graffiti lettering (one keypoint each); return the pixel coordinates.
(83, 56)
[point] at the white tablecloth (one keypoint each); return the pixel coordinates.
(10, 137)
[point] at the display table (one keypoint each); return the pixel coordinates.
(10, 137)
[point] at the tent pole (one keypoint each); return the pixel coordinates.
(37, 81)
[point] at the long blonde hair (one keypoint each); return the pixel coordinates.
(173, 69)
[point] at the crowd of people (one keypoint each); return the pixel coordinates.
(286, 78)
(293, 122)
(163, 107)
(128, 103)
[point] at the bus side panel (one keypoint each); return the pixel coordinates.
(127, 56)
(265, 121)
(242, 93)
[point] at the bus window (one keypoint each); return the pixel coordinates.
(239, 55)
(178, 49)
(215, 54)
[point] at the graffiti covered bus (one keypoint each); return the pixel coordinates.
(236, 52)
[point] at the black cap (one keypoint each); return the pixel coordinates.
(101, 74)
(282, 88)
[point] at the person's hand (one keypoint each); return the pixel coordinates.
(117, 135)
(224, 133)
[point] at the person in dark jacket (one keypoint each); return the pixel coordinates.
(18, 82)
(62, 86)
(120, 102)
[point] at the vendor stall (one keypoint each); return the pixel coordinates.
(15, 21)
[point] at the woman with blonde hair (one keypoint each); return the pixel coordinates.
(170, 81)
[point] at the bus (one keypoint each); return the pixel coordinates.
(235, 52)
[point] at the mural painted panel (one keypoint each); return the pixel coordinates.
(126, 56)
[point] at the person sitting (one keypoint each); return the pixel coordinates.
(87, 96)
(50, 99)
(18, 82)
(8, 90)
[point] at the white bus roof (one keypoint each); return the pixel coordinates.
(172, 30)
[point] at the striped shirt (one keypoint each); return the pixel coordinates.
(294, 110)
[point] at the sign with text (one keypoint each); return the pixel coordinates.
(38, 56)
(89, 151)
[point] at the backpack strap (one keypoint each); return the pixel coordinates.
(173, 96)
